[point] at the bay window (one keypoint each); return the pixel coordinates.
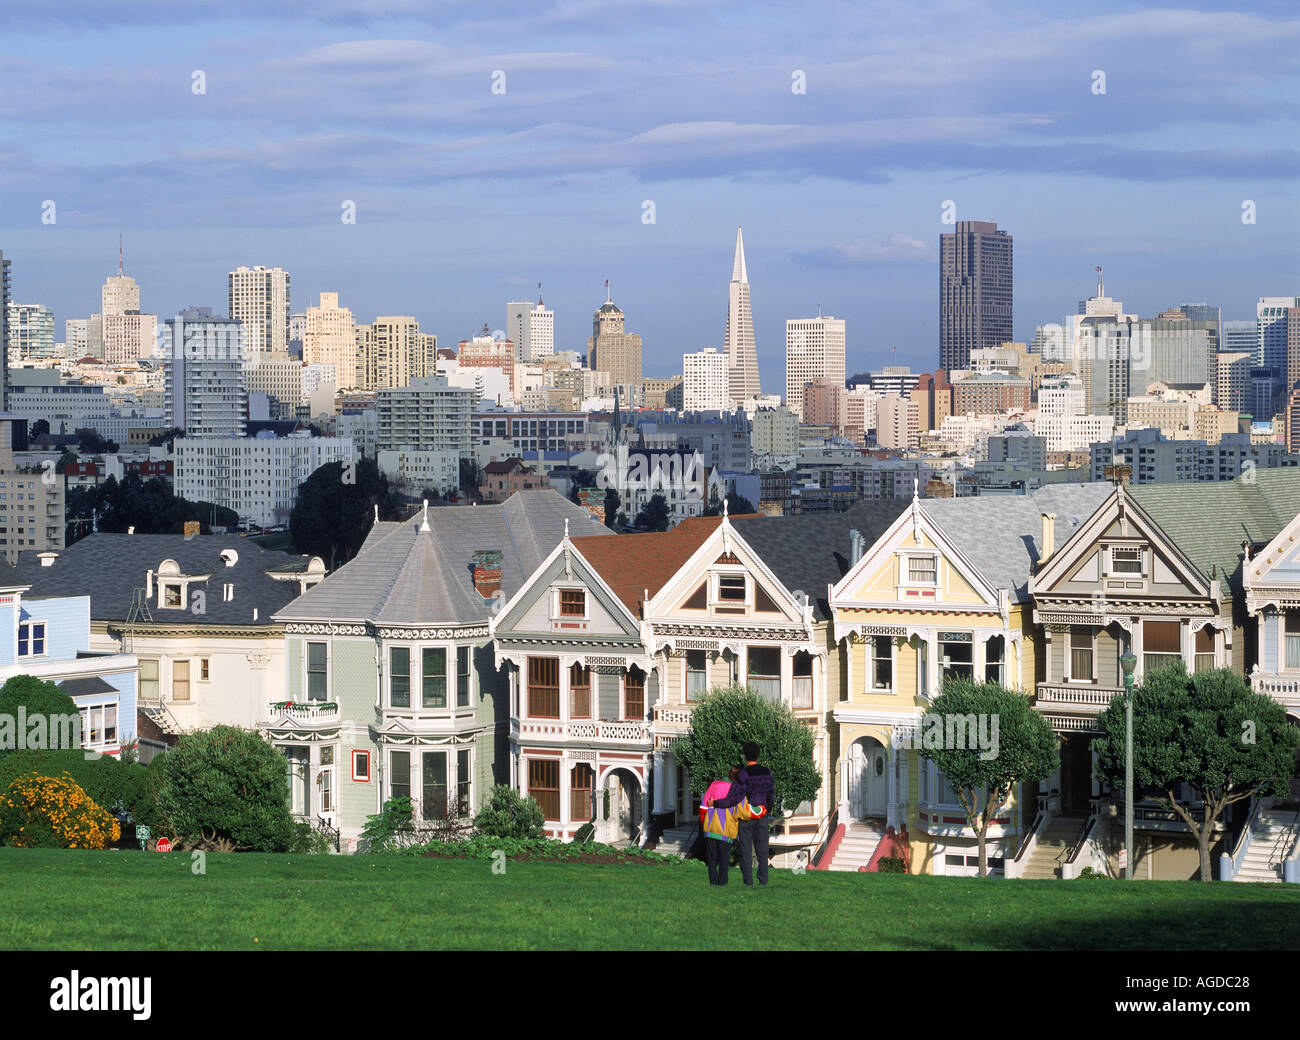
(433, 676)
(399, 676)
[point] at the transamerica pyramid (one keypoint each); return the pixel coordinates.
(742, 354)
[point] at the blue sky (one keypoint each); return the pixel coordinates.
(466, 199)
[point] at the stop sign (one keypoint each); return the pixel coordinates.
(164, 845)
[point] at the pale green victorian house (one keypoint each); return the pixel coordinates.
(392, 685)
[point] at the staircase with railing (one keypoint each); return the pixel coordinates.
(1267, 844)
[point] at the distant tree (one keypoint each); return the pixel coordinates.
(38, 698)
(612, 510)
(332, 517)
(166, 437)
(1209, 730)
(148, 506)
(38, 428)
(471, 477)
(66, 459)
(737, 505)
(655, 515)
(91, 443)
(1024, 749)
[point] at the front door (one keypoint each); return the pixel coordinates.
(868, 780)
(1076, 775)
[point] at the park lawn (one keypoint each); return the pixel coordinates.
(78, 900)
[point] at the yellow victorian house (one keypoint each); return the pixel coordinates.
(942, 592)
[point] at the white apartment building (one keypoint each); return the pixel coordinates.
(257, 477)
(413, 471)
(259, 298)
(329, 338)
(814, 349)
(898, 421)
(706, 381)
(430, 414)
(30, 331)
(75, 332)
(531, 327)
(128, 336)
(203, 359)
(279, 376)
(31, 506)
(774, 431)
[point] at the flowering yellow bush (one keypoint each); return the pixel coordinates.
(54, 812)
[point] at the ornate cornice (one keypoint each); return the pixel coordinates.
(729, 633)
(324, 628)
(447, 632)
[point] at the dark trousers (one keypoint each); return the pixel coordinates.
(718, 854)
(753, 839)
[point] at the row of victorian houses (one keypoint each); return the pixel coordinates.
(525, 644)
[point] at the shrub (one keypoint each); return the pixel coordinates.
(483, 846)
(228, 787)
(395, 820)
(1088, 872)
(37, 698)
(113, 785)
(54, 812)
(891, 865)
(585, 834)
(508, 814)
(308, 839)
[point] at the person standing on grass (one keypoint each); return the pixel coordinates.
(720, 826)
(755, 785)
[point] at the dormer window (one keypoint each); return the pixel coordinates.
(1126, 560)
(573, 603)
(171, 595)
(922, 570)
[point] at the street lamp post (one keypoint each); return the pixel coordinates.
(1128, 661)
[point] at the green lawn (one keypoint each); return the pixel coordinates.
(76, 900)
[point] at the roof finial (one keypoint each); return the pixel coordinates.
(566, 528)
(376, 512)
(725, 513)
(425, 525)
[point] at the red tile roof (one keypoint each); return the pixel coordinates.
(630, 564)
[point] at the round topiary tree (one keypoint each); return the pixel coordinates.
(508, 814)
(54, 812)
(225, 788)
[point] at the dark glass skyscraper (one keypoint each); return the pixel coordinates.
(975, 290)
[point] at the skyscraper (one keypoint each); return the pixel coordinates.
(125, 333)
(259, 298)
(203, 361)
(329, 338)
(738, 335)
(611, 348)
(975, 291)
(531, 327)
(814, 349)
(4, 332)
(394, 351)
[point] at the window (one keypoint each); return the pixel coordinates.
(399, 676)
(573, 603)
(544, 785)
(31, 639)
(697, 674)
(803, 680)
(462, 676)
(923, 667)
(180, 680)
(923, 570)
(1080, 653)
(205, 672)
(582, 786)
(1292, 629)
(149, 678)
(433, 673)
(171, 595)
(1204, 649)
(325, 778)
(1161, 644)
(434, 785)
(764, 665)
(317, 683)
(579, 692)
(99, 725)
(731, 588)
(881, 669)
(544, 690)
(634, 694)
(1126, 559)
(361, 766)
(956, 655)
(994, 658)
(399, 773)
(464, 783)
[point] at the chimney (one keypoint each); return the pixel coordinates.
(486, 567)
(855, 546)
(191, 529)
(1049, 537)
(47, 558)
(131, 529)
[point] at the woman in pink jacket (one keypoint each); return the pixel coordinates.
(720, 826)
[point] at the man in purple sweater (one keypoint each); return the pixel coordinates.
(756, 784)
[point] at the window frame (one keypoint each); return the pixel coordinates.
(534, 788)
(873, 665)
(361, 755)
(908, 580)
(308, 672)
(627, 702)
(29, 637)
(1068, 669)
(391, 673)
(561, 613)
(544, 688)
(687, 696)
(426, 676)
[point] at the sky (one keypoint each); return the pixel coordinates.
(488, 147)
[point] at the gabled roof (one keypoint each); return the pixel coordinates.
(1209, 521)
(1001, 535)
(406, 576)
(631, 564)
(812, 552)
(109, 567)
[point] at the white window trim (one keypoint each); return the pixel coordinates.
(1069, 655)
(905, 573)
(715, 589)
(86, 709)
(1281, 645)
(1144, 554)
(413, 676)
(370, 767)
(448, 677)
(870, 678)
(686, 674)
(45, 639)
(164, 584)
(555, 603)
(453, 678)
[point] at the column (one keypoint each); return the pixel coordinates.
(657, 779)
(565, 664)
(787, 677)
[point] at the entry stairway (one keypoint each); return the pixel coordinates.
(857, 846)
(1055, 843)
(1272, 839)
(678, 841)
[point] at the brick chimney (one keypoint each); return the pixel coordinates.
(486, 567)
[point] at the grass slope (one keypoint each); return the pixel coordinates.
(77, 900)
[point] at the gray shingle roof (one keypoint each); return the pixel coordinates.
(1001, 535)
(108, 567)
(403, 576)
(810, 552)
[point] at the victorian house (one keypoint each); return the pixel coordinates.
(941, 593)
(391, 690)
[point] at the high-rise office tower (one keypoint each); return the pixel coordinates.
(30, 332)
(4, 331)
(259, 298)
(1241, 335)
(814, 349)
(738, 336)
(125, 333)
(531, 327)
(394, 351)
(203, 361)
(705, 382)
(975, 291)
(611, 348)
(329, 338)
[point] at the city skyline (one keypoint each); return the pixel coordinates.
(480, 195)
